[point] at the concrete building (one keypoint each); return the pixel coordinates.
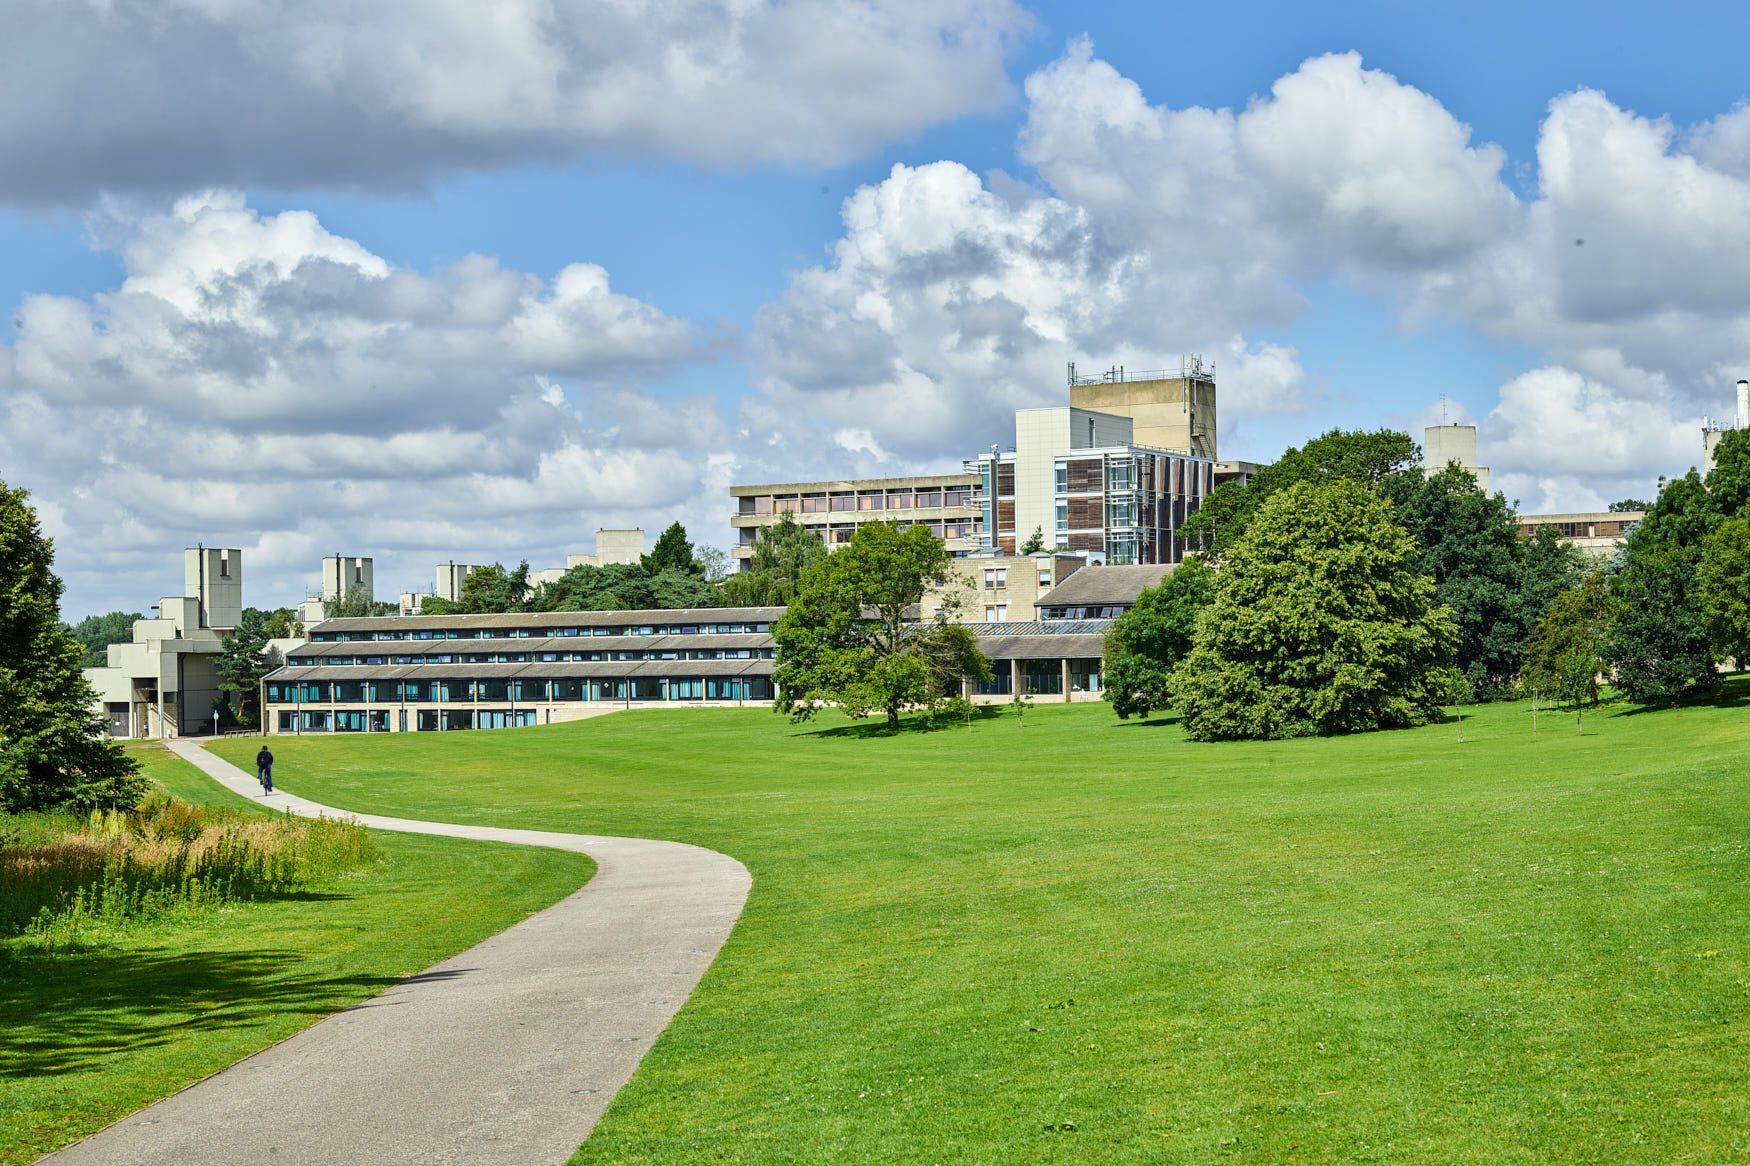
(1099, 592)
(1595, 532)
(1169, 410)
(999, 588)
(163, 682)
(1444, 444)
(1712, 431)
(437, 673)
(1080, 479)
(611, 546)
(1062, 660)
(834, 509)
(341, 576)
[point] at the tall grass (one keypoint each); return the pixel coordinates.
(59, 871)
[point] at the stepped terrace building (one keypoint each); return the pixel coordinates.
(435, 673)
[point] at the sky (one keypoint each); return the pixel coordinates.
(427, 280)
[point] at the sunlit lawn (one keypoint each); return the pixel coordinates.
(90, 1034)
(1085, 940)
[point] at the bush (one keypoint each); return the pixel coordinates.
(60, 869)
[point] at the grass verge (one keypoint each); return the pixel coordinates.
(139, 1010)
(1084, 940)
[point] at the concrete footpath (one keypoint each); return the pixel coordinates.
(509, 1052)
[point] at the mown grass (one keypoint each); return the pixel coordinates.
(141, 1007)
(1082, 940)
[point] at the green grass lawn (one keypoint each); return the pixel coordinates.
(1082, 940)
(90, 1035)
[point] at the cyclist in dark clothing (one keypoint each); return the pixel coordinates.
(264, 769)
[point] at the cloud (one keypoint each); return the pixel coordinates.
(258, 381)
(162, 95)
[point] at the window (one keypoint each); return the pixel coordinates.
(1063, 479)
(958, 496)
(458, 719)
(428, 721)
(870, 501)
(814, 504)
(844, 501)
(929, 498)
(899, 500)
(1002, 577)
(762, 504)
(1063, 516)
(1002, 613)
(1045, 578)
(990, 613)
(990, 577)
(1091, 440)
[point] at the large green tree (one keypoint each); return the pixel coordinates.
(1566, 656)
(1658, 644)
(623, 587)
(673, 552)
(1724, 578)
(845, 640)
(98, 632)
(1145, 643)
(1496, 583)
(357, 602)
(52, 750)
(1321, 623)
(1384, 461)
(783, 552)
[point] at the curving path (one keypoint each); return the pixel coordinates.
(508, 1052)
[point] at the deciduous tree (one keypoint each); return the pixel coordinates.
(784, 551)
(1148, 641)
(1321, 623)
(845, 639)
(1724, 578)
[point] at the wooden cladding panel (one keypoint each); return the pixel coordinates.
(1006, 480)
(1006, 515)
(1085, 476)
(1087, 542)
(1085, 513)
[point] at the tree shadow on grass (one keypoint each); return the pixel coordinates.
(916, 723)
(1733, 695)
(67, 1010)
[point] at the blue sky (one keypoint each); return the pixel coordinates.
(736, 342)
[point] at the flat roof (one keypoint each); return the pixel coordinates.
(544, 619)
(963, 478)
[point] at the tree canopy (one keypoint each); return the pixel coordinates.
(357, 602)
(248, 657)
(1566, 655)
(1723, 576)
(1145, 643)
(784, 551)
(673, 552)
(623, 587)
(1321, 623)
(1381, 461)
(845, 639)
(98, 632)
(52, 750)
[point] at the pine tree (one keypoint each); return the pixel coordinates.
(52, 749)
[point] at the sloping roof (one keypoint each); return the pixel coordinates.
(547, 619)
(1104, 586)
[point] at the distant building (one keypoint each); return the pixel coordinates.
(342, 575)
(438, 673)
(1080, 478)
(999, 588)
(163, 682)
(1712, 431)
(1169, 409)
(1596, 532)
(1099, 592)
(1445, 444)
(834, 509)
(611, 546)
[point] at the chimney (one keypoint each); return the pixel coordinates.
(1744, 404)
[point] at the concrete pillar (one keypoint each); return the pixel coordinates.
(1067, 696)
(1014, 678)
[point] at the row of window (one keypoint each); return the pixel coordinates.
(540, 657)
(425, 720)
(690, 629)
(1043, 678)
(839, 533)
(995, 577)
(843, 501)
(519, 691)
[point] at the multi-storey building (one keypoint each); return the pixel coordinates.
(416, 673)
(998, 588)
(833, 510)
(1170, 409)
(1079, 478)
(1596, 533)
(164, 682)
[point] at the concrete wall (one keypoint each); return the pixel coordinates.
(1040, 436)
(342, 573)
(1020, 587)
(1164, 418)
(1443, 444)
(451, 576)
(213, 578)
